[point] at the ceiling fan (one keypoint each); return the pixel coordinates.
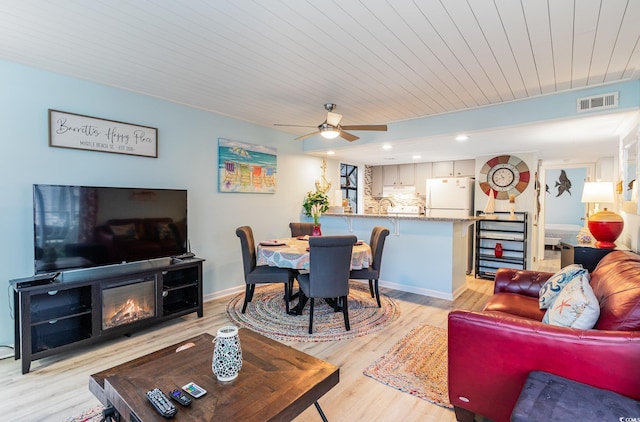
(331, 127)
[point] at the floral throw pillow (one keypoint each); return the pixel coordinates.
(550, 290)
(576, 306)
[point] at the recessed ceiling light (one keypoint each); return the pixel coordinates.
(417, 157)
(331, 152)
(386, 146)
(462, 138)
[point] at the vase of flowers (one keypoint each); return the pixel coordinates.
(315, 203)
(316, 213)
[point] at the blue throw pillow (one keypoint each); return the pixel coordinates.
(551, 289)
(575, 307)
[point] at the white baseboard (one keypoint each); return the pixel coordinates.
(6, 352)
(421, 291)
(387, 284)
(223, 293)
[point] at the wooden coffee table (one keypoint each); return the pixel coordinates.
(276, 382)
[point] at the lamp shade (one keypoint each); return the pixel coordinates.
(598, 192)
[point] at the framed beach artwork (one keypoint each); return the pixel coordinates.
(246, 168)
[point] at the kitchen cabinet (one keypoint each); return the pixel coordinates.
(399, 175)
(406, 174)
(442, 169)
(457, 168)
(463, 168)
(376, 181)
(423, 171)
(390, 175)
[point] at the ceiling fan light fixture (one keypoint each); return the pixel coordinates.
(329, 132)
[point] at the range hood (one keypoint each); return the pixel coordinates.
(398, 190)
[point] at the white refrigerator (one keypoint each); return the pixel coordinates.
(450, 197)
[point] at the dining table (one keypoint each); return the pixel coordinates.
(293, 252)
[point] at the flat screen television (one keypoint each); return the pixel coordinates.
(89, 226)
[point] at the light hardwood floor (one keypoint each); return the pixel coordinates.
(57, 387)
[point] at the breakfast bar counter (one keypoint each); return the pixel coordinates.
(423, 255)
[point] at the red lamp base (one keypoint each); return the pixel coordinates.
(605, 226)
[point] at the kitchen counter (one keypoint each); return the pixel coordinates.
(404, 217)
(423, 255)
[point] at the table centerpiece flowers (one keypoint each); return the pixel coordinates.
(315, 203)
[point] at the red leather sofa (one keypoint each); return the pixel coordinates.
(492, 352)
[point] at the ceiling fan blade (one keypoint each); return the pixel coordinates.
(279, 124)
(308, 135)
(334, 118)
(349, 137)
(366, 127)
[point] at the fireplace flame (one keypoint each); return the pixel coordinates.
(130, 311)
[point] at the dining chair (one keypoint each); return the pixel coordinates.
(301, 229)
(328, 276)
(378, 236)
(258, 274)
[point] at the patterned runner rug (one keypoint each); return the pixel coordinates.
(417, 365)
(266, 315)
(93, 414)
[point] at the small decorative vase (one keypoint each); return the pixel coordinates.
(227, 354)
(498, 250)
(316, 230)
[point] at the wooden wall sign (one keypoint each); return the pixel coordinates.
(69, 130)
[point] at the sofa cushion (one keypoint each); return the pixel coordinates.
(616, 285)
(554, 285)
(124, 231)
(575, 306)
(515, 304)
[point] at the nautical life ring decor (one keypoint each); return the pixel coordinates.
(506, 175)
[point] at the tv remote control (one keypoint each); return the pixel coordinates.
(181, 398)
(185, 255)
(161, 403)
(194, 389)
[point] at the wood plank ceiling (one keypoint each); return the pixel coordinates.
(279, 61)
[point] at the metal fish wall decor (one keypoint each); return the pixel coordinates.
(563, 184)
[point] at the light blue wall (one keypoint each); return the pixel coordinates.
(566, 208)
(187, 158)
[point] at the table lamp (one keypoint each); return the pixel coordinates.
(605, 226)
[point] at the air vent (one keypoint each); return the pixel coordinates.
(598, 102)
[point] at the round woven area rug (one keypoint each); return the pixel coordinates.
(266, 315)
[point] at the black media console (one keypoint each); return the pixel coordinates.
(71, 309)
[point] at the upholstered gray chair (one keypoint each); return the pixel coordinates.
(328, 276)
(301, 229)
(257, 274)
(378, 236)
